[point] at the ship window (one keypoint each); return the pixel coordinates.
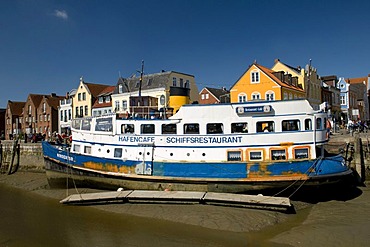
(291, 125)
(76, 148)
(301, 153)
(239, 128)
(127, 128)
(87, 150)
(278, 154)
(318, 124)
(169, 128)
(307, 124)
(76, 123)
(191, 128)
(104, 124)
(118, 152)
(147, 129)
(266, 126)
(255, 155)
(86, 124)
(234, 156)
(215, 128)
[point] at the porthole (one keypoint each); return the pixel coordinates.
(188, 154)
(171, 154)
(147, 153)
(108, 151)
(140, 153)
(203, 154)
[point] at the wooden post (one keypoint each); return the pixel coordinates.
(1, 154)
(359, 164)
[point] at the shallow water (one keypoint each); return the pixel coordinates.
(27, 219)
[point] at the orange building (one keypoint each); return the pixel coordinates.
(261, 83)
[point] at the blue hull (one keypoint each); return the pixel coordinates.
(225, 177)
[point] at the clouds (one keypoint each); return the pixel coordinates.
(62, 14)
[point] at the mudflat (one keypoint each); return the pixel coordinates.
(337, 221)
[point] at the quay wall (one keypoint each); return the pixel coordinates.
(31, 157)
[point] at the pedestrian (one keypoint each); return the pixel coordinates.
(328, 128)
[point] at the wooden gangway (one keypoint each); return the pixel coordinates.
(181, 197)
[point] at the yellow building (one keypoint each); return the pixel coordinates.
(84, 98)
(261, 83)
(308, 79)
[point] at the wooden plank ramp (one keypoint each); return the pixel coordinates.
(181, 197)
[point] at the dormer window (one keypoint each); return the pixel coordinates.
(101, 99)
(150, 81)
(255, 77)
(120, 87)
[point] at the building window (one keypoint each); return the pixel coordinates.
(207, 96)
(79, 97)
(101, 99)
(256, 96)
(83, 96)
(81, 111)
(285, 97)
(202, 95)
(181, 82)
(150, 81)
(77, 111)
(61, 115)
(44, 107)
(342, 100)
(124, 105)
(116, 106)
(107, 99)
(120, 88)
(255, 77)
(187, 84)
(86, 110)
(242, 97)
(290, 96)
(174, 82)
(270, 96)
(69, 114)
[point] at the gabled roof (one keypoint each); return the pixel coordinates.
(107, 91)
(270, 73)
(95, 89)
(53, 101)
(356, 80)
(217, 92)
(16, 107)
(297, 70)
(36, 99)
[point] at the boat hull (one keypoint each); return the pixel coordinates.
(61, 174)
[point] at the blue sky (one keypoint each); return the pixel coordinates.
(46, 45)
